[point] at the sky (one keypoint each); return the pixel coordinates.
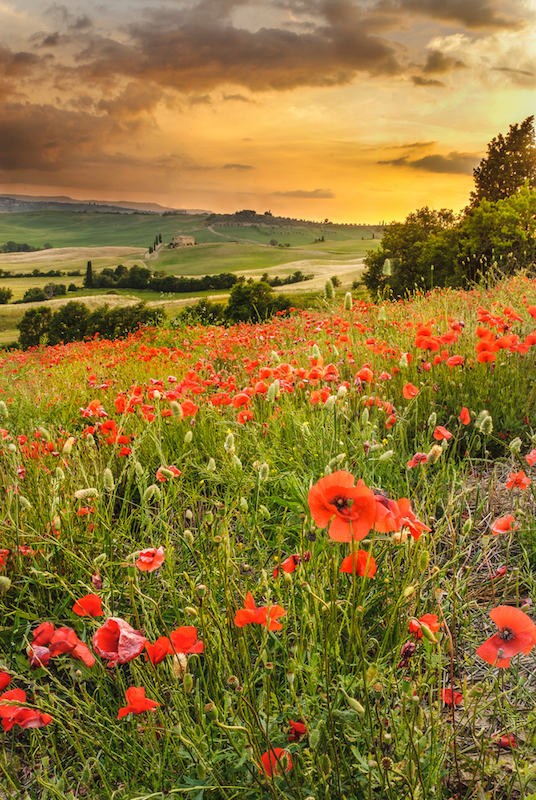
(351, 110)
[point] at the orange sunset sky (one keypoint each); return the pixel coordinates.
(356, 110)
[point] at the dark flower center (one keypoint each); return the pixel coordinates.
(507, 634)
(341, 504)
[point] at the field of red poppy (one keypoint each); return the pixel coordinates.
(285, 560)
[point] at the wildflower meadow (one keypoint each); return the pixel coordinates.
(285, 560)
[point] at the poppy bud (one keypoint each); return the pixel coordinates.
(138, 469)
(60, 474)
(387, 456)
(209, 517)
(188, 536)
(409, 590)
(403, 361)
(200, 772)
(515, 445)
(68, 446)
(427, 633)
(342, 391)
(424, 560)
(348, 301)
(149, 493)
(109, 484)
(90, 440)
(201, 590)
(100, 559)
(176, 410)
(355, 705)
(382, 314)
(324, 762)
(188, 436)
(467, 525)
(273, 391)
(5, 584)
(435, 454)
(237, 463)
(372, 671)
(24, 503)
(84, 494)
(329, 290)
(330, 402)
(188, 682)
(432, 420)
(243, 504)
(3, 410)
(314, 738)
(44, 432)
(264, 511)
(211, 466)
(191, 611)
(274, 357)
(189, 514)
(365, 417)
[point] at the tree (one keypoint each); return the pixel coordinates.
(5, 296)
(509, 164)
(403, 245)
(253, 301)
(88, 280)
(34, 295)
(33, 326)
(69, 323)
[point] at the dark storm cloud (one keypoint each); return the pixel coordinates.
(316, 194)
(438, 63)
(454, 163)
(418, 80)
(43, 137)
(238, 166)
(473, 14)
(198, 48)
(19, 65)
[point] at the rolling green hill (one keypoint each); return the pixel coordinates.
(74, 229)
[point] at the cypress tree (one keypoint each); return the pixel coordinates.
(88, 280)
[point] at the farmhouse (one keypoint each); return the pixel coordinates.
(183, 241)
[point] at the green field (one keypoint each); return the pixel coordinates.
(75, 229)
(79, 229)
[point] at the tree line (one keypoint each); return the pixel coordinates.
(495, 233)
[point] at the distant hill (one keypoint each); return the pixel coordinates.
(18, 203)
(268, 220)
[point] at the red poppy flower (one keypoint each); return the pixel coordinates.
(517, 634)
(455, 361)
(9, 712)
(261, 616)
(43, 634)
(351, 509)
(430, 620)
(530, 458)
(159, 650)
(5, 680)
(465, 417)
(184, 640)
(150, 559)
(442, 433)
(39, 656)
(519, 480)
(32, 718)
(418, 458)
(63, 640)
(137, 702)
(450, 697)
(507, 741)
(189, 409)
(360, 563)
(275, 761)
(298, 729)
(504, 524)
(244, 416)
(410, 391)
(90, 605)
(388, 517)
(117, 641)
(162, 477)
(288, 565)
